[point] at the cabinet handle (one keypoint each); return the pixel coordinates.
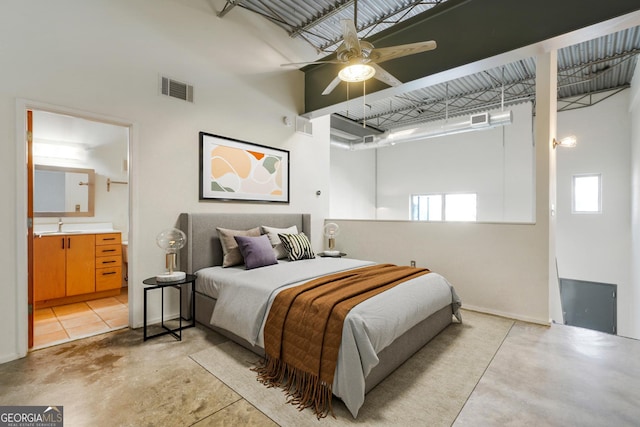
(109, 238)
(108, 250)
(111, 272)
(69, 243)
(108, 262)
(63, 243)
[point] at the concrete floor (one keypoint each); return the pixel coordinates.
(558, 376)
(539, 376)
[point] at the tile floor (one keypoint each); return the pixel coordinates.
(56, 325)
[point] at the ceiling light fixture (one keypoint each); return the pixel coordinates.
(59, 150)
(356, 73)
(569, 141)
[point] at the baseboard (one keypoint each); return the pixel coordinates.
(506, 315)
(9, 357)
(156, 320)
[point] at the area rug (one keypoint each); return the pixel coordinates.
(429, 389)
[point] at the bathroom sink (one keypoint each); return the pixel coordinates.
(57, 233)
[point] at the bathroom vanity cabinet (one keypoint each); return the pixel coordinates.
(76, 267)
(108, 261)
(63, 265)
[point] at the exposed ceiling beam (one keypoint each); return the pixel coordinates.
(352, 128)
(323, 17)
(493, 30)
(369, 27)
(230, 4)
(490, 96)
(587, 100)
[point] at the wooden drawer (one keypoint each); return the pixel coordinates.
(108, 278)
(109, 250)
(108, 239)
(108, 261)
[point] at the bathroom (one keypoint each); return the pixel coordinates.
(85, 164)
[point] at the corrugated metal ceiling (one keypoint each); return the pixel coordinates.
(318, 22)
(587, 72)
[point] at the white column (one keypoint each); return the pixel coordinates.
(634, 304)
(545, 131)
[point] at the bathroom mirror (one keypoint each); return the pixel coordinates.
(62, 191)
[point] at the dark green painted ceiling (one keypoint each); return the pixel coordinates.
(466, 31)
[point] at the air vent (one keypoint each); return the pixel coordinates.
(368, 139)
(304, 126)
(176, 89)
(480, 120)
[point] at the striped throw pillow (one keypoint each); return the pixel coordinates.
(298, 246)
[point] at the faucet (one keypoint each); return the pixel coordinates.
(59, 225)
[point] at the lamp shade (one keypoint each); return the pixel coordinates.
(331, 230)
(171, 241)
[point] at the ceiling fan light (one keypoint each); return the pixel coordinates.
(356, 73)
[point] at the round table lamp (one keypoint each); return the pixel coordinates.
(331, 230)
(171, 240)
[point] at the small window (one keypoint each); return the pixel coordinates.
(426, 207)
(447, 207)
(587, 194)
(460, 207)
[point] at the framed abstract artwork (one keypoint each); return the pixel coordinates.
(234, 170)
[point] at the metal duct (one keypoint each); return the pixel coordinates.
(397, 136)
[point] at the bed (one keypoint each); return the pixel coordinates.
(373, 345)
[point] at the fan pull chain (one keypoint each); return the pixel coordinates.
(364, 103)
(347, 100)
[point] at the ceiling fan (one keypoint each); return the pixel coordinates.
(361, 58)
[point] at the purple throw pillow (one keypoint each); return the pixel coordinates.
(256, 251)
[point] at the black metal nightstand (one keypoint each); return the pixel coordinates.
(152, 284)
(323, 255)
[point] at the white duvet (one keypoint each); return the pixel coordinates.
(245, 296)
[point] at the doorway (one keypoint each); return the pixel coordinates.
(90, 211)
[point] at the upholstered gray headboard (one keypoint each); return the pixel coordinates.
(203, 247)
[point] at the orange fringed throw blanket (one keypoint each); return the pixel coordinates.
(303, 332)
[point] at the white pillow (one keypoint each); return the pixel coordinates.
(231, 254)
(272, 234)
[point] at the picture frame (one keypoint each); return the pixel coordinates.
(234, 170)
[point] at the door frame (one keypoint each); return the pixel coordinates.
(22, 229)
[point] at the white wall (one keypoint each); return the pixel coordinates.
(634, 108)
(596, 247)
(496, 164)
(490, 267)
(112, 205)
(103, 58)
(353, 184)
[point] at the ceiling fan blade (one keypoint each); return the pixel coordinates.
(295, 64)
(384, 76)
(350, 36)
(386, 53)
(332, 86)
